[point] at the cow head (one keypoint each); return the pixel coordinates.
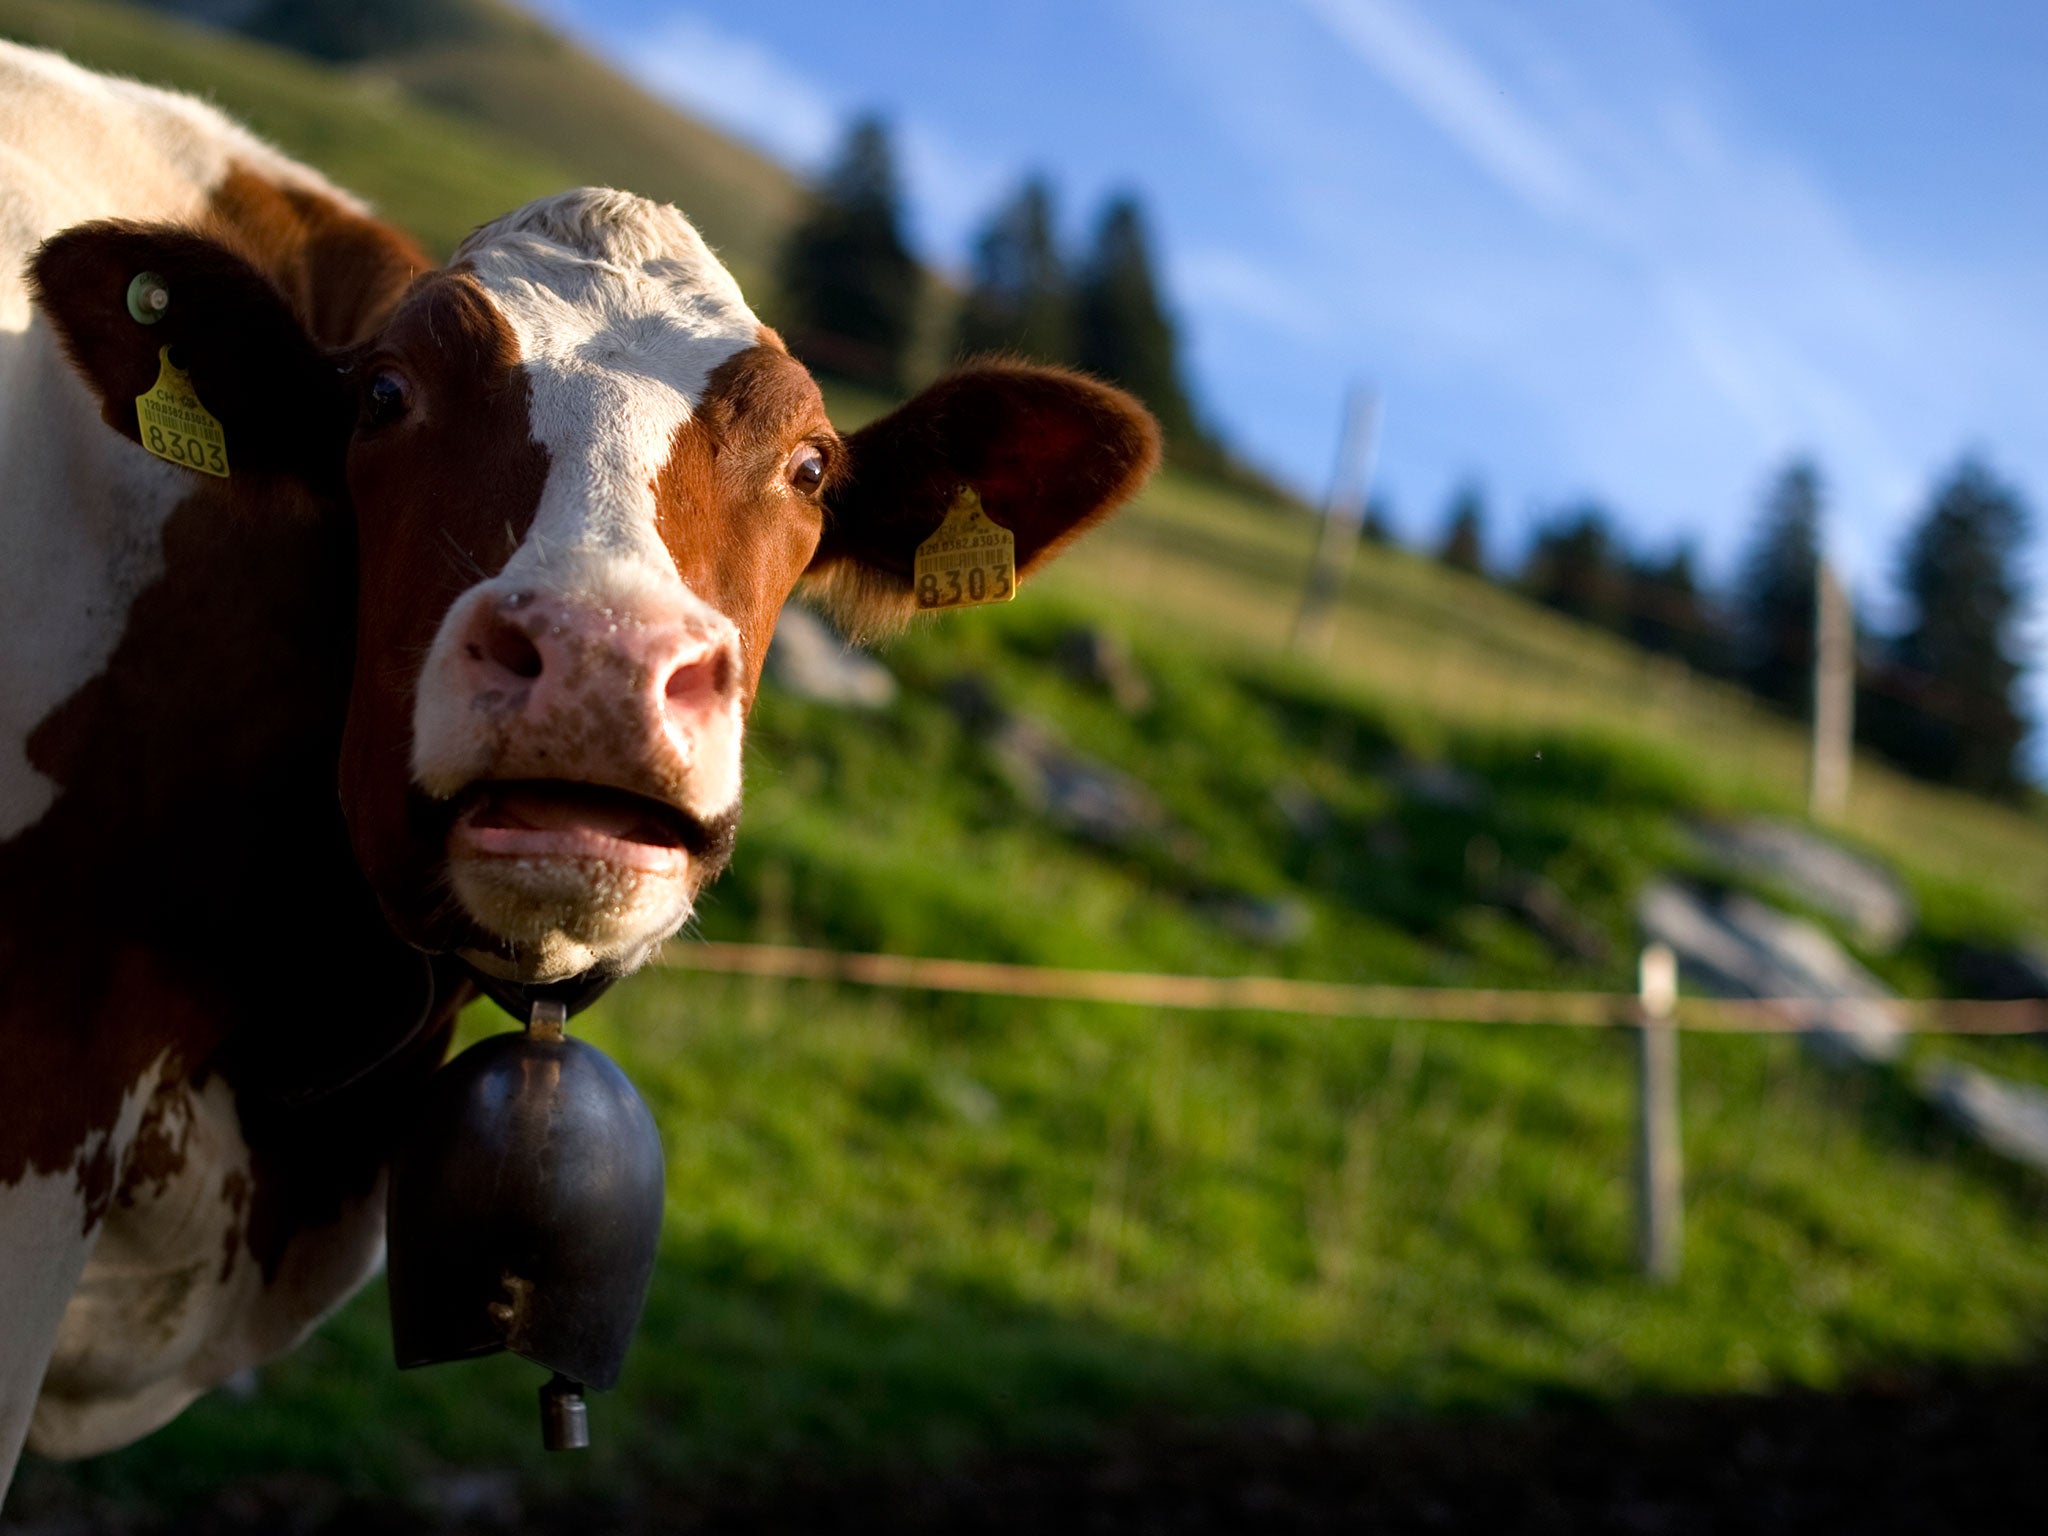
(584, 479)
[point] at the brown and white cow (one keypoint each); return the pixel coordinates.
(500, 554)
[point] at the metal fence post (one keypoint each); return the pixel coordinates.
(1660, 1175)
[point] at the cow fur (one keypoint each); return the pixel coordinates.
(499, 559)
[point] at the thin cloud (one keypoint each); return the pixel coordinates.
(1447, 86)
(742, 86)
(750, 91)
(1215, 277)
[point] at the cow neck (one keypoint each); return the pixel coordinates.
(160, 909)
(519, 998)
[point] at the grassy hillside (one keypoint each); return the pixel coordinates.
(1444, 652)
(497, 67)
(908, 1227)
(443, 137)
(904, 1227)
(534, 89)
(426, 170)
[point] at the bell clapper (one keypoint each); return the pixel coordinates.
(564, 1417)
(548, 1020)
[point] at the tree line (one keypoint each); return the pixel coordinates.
(854, 302)
(1938, 695)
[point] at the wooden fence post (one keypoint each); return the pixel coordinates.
(1834, 697)
(1660, 1169)
(1343, 517)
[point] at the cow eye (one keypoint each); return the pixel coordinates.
(386, 398)
(805, 470)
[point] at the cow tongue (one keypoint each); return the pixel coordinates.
(539, 811)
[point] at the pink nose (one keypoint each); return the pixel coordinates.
(528, 655)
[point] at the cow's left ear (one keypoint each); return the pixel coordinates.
(1050, 453)
(279, 399)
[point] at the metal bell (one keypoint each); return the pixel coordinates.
(524, 1212)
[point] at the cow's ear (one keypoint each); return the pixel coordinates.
(1050, 453)
(279, 399)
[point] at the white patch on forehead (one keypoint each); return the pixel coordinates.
(621, 313)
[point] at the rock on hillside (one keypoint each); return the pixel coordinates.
(1817, 871)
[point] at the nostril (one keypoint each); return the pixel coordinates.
(508, 648)
(707, 678)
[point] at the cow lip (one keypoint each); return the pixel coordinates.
(557, 819)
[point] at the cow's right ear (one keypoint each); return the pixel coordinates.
(279, 399)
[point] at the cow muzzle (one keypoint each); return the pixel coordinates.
(587, 747)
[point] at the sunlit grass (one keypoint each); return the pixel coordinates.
(903, 1228)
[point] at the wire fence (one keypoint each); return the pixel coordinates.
(1281, 994)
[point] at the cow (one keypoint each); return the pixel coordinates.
(441, 687)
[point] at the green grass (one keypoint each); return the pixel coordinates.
(532, 88)
(902, 1228)
(1443, 651)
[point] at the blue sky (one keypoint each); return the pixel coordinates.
(1641, 250)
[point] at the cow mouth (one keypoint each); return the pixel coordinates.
(556, 819)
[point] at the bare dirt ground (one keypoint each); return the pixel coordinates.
(1920, 1453)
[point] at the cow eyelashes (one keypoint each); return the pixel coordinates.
(805, 470)
(386, 398)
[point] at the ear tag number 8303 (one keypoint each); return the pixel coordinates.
(968, 560)
(175, 426)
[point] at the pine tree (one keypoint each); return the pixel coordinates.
(1465, 534)
(1960, 576)
(1020, 301)
(1576, 566)
(1668, 612)
(849, 283)
(1125, 335)
(1774, 605)
(1377, 524)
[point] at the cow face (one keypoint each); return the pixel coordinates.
(584, 478)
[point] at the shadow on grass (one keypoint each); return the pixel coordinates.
(745, 1364)
(1920, 1452)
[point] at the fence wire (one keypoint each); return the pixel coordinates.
(1281, 994)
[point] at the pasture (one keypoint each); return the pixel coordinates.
(906, 1229)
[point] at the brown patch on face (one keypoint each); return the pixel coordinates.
(443, 497)
(739, 534)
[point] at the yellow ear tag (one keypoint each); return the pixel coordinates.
(176, 427)
(968, 560)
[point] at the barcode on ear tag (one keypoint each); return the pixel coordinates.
(175, 426)
(968, 560)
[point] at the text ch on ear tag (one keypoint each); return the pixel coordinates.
(173, 424)
(148, 297)
(968, 560)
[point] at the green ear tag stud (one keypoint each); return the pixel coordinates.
(148, 297)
